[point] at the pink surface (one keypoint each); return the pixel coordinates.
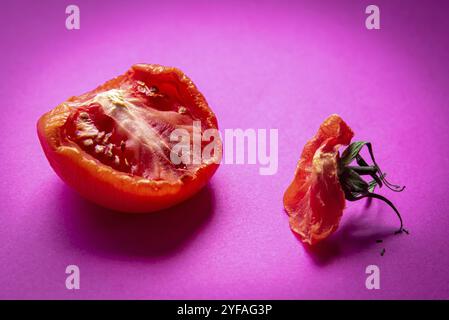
(260, 64)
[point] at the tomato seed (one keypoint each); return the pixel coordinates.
(106, 138)
(99, 149)
(88, 142)
(84, 116)
(100, 136)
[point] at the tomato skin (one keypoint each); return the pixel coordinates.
(113, 189)
(315, 200)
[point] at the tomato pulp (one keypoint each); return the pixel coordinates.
(113, 144)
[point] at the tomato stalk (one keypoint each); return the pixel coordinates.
(355, 188)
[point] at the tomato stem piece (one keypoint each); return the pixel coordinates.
(368, 170)
(389, 185)
(382, 198)
(355, 188)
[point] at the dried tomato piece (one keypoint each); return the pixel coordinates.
(323, 180)
(315, 200)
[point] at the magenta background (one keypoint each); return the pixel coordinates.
(260, 64)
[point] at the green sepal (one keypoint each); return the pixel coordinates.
(372, 185)
(351, 182)
(351, 152)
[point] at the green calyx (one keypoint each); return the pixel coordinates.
(354, 187)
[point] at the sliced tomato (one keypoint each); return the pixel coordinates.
(113, 143)
(315, 200)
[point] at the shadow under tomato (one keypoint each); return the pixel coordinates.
(356, 233)
(121, 235)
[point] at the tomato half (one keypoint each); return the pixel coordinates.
(113, 144)
(315, 199)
